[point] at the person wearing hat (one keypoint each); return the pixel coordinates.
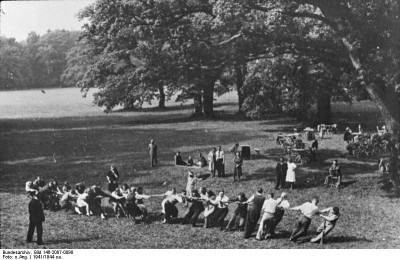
(280, 170)
(328, 224)
(36, 218)
(153, 153)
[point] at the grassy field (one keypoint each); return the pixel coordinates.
(58, 135)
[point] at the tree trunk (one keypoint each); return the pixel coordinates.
(241, 71)
(198, 106)
(324, 114)
(208, 98)
(161, 103)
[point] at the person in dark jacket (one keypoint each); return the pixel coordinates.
(195, 209)
(238, 219)
(281, 169)
(237, 170)
(112, 178)
(36, 218)
(178, 159)
(253, 213)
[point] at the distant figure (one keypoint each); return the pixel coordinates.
(290, 174)
(178, 159)
(237, 170)
(279, 139)
(314, 145)
(212, 160)
(44, 92)
(36, 218)
(281, 169)
(328, 224)
(202, 162)
(153, 153)
(220, 162)
(112, 178)
(335, 171)
(190, 161)
(348, 135)
(235, 149)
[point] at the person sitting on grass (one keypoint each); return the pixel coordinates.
(195, 209)
(334, 172)
(178, 160)
(328, 224)
(238, 220)
(308, 211)
(190, 161)
(202, 162)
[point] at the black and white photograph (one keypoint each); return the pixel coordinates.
(199, 124)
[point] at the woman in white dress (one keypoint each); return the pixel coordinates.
(290, 174)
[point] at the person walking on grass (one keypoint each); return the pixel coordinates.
(36, 218)
(237, 170)
(255, 203)
(281, 170)
(153, 153)
(308, 211)
(290, 174)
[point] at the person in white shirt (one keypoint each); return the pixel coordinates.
(140, 203)
(221, 209)
(267, 219)
(170, 209)
(328, 224)
(308, 211)
(290, 174)
(283, 204)
(191, 183)
(220, 160)
(166, 194)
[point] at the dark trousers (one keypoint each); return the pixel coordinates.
(301, 227)
(31, 230)
(236, 221)
(280, 180)
(170, 211)
(133, 210)
(220, 214)
(153, 160)
(220, 168)
(278, 217)
(237, 172)
(251, 222)
(192, 215)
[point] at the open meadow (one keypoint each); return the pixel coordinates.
(59, 135)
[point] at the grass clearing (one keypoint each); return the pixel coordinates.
(80, 143)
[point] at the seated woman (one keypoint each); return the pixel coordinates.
(334, 172)
(202, 162)
(178, 159)
(190, 161)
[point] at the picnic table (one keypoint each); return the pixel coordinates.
(302, 156)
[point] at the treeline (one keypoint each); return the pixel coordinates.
(37, 62)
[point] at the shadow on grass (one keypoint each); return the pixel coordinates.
(346, 239)
(70, 241)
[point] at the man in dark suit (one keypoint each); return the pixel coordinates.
(36, 217)
(281, 169)
(153, 153)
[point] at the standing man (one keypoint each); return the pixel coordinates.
(112, 178)
(36, 217)
(220, 162)
(253, 213)
(153, 153)
(281, 169)
(308, 211)
(267, 220)
(235, 149)
(212, 160)
(237, 170)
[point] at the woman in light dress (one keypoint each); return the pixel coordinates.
(290, 174)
